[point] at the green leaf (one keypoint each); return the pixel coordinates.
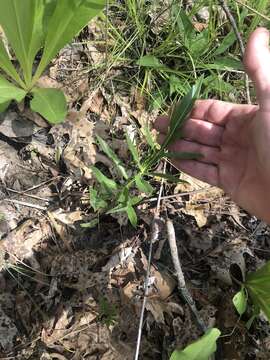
(7, 65)
(180, 113)
(9, 92)
(4, 106)
(68, 19)
(50, 103)
(182, 155)
(91, 224)
(227, 41)
(225, 64)
(111, 154)
(143, 185)
(148, 136)
(132, 216)
(240, 301)
(133, 150)
(201, 349)
(96, 201)
(109, 184)
(258, 286)
(151, 62)
(22, 24)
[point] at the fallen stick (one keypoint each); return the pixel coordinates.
(180, 277)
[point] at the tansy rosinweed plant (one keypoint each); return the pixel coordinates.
(110, 196)
(31, 26)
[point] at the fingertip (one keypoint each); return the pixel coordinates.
(161, 124)
(160, 138)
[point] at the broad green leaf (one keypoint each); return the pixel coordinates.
(151, 62)
(96, 201)
(50, 103)
(182, 155)
(4, 106)
(22, 24)
(109, 184)
(240, 301)
(7, 65)
(143, 185)
(132, 216)
(111, 154)
(8, 91)
(201, 349)
(68, 19)
(133, 150)
(258, 286)
(180, 113)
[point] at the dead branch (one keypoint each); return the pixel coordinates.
(180, 276)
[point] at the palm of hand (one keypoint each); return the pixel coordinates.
(233, 141)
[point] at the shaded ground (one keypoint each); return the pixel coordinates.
(70, 292)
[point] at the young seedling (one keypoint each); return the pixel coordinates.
(110, 196)
(31, 26)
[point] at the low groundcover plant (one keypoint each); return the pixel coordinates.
(31, 26)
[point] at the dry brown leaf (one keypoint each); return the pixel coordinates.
(197, 211)
(60, 327)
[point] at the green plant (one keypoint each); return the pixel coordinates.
(32, 25)
(110, 196)
(107, 312)
(257, 286)
(201, 349)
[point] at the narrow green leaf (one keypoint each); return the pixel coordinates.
(111, 154)
(240, 301)
(68, 19)
(258, 286)
(132, 216)
(148, 136)
(182, 155)
(180, 113)
(201, 349)
(227, 41)
(109, 184)
(91, 224)
(96, 201)
(7, 65)
(50, 103)
(133, 150)
(22, 24)
(8, 91)
(143, 185)
(225, 64)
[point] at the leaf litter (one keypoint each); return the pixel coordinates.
(75, 293)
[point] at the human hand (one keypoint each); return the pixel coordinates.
(233, 139)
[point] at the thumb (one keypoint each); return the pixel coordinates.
(257, 64)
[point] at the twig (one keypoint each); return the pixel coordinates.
(231, 19)
(17, 202)
(178, 195)
(180, 276)
(154, 236)
(22, 193)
